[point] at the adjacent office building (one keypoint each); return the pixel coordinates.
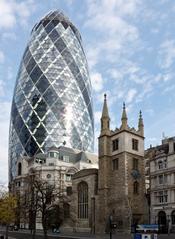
(162, 184)
(52, 102)
(56, 167)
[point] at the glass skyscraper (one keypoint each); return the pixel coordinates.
(52, 102)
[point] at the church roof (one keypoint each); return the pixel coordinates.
(85, 172)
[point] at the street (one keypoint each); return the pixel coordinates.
(27, 235)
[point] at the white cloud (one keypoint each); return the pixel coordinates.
(96, 135)
(10, 73)
(9, 35)
(97, 116)
(117, 26)
(97, 81)
(7, 14)
(130, 95)
(167, 54)
(115, 74)
(92, 56)
(4, 129)
(2, 57)
(13, 10)
(2, 88)
(108, 19)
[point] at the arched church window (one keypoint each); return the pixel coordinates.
(173, 217)
(83, 200)
(136, 187)
(19, 169)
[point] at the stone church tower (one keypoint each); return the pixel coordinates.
(121, 181)
(117, 189)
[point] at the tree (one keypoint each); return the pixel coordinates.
(28, 202)
(55, 217)
(48, 198)
(8, 205)
(42, 200)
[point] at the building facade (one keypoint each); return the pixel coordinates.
(56, 167)
(52, 102)
(162, 184)
(117, 189)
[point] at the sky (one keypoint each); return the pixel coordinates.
(130, 48)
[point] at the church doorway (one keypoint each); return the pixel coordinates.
(162, 221)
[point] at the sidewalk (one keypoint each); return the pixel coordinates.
(70, 235)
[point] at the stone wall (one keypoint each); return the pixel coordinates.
(90, 176)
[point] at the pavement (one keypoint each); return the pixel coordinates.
(21, 234)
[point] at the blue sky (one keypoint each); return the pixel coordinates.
(130, 48)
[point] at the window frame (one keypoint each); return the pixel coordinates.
(19, 169)
(135, 144)
(115, 144)
(83, 200)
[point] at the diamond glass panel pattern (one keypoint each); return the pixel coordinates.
(52, 100)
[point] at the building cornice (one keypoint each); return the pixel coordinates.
(161, 171)
(113, 133)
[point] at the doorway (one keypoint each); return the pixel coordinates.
(162, 221)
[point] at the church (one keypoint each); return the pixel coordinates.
(117, 189)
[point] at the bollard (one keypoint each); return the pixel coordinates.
(110, 234)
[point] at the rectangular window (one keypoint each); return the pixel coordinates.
(51, 154)
(115, 164)
(68, 177)
(162, 197)
(66, 158)
(162, 164)
(165, 163)
(165, 178)
(165, 196)
(135, 144)
(160, 179)
(155, 197)
(115, 144)
(51, 164)
(135, 163)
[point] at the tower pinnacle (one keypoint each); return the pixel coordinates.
(124, 118)
(105, 128)
(105, 108)
(140, 124)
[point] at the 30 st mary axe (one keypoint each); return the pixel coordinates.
(52, 102)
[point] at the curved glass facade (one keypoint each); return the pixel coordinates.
(52, 102)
